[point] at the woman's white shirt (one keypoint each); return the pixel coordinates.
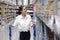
(23, 24)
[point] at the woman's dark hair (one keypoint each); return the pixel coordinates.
(20, 9)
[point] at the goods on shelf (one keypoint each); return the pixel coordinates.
(59, 8)
(8, 12)
(50, 6)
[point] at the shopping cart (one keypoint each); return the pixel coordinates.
(34, 28)
(10, 32)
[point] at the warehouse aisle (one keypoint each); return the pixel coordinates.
(47, 22)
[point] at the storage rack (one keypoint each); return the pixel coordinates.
(0, 15)
(7, 11)
(16, 11)
(30, 9)
(59, 7)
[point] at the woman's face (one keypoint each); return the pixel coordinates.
(24, 11)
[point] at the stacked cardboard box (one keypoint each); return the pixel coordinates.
(50, 6)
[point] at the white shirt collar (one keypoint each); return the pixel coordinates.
(23, 17)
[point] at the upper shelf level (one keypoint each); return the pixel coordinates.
(10, 2)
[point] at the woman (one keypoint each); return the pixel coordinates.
(23, 23)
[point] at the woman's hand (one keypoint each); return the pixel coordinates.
(11, 25)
